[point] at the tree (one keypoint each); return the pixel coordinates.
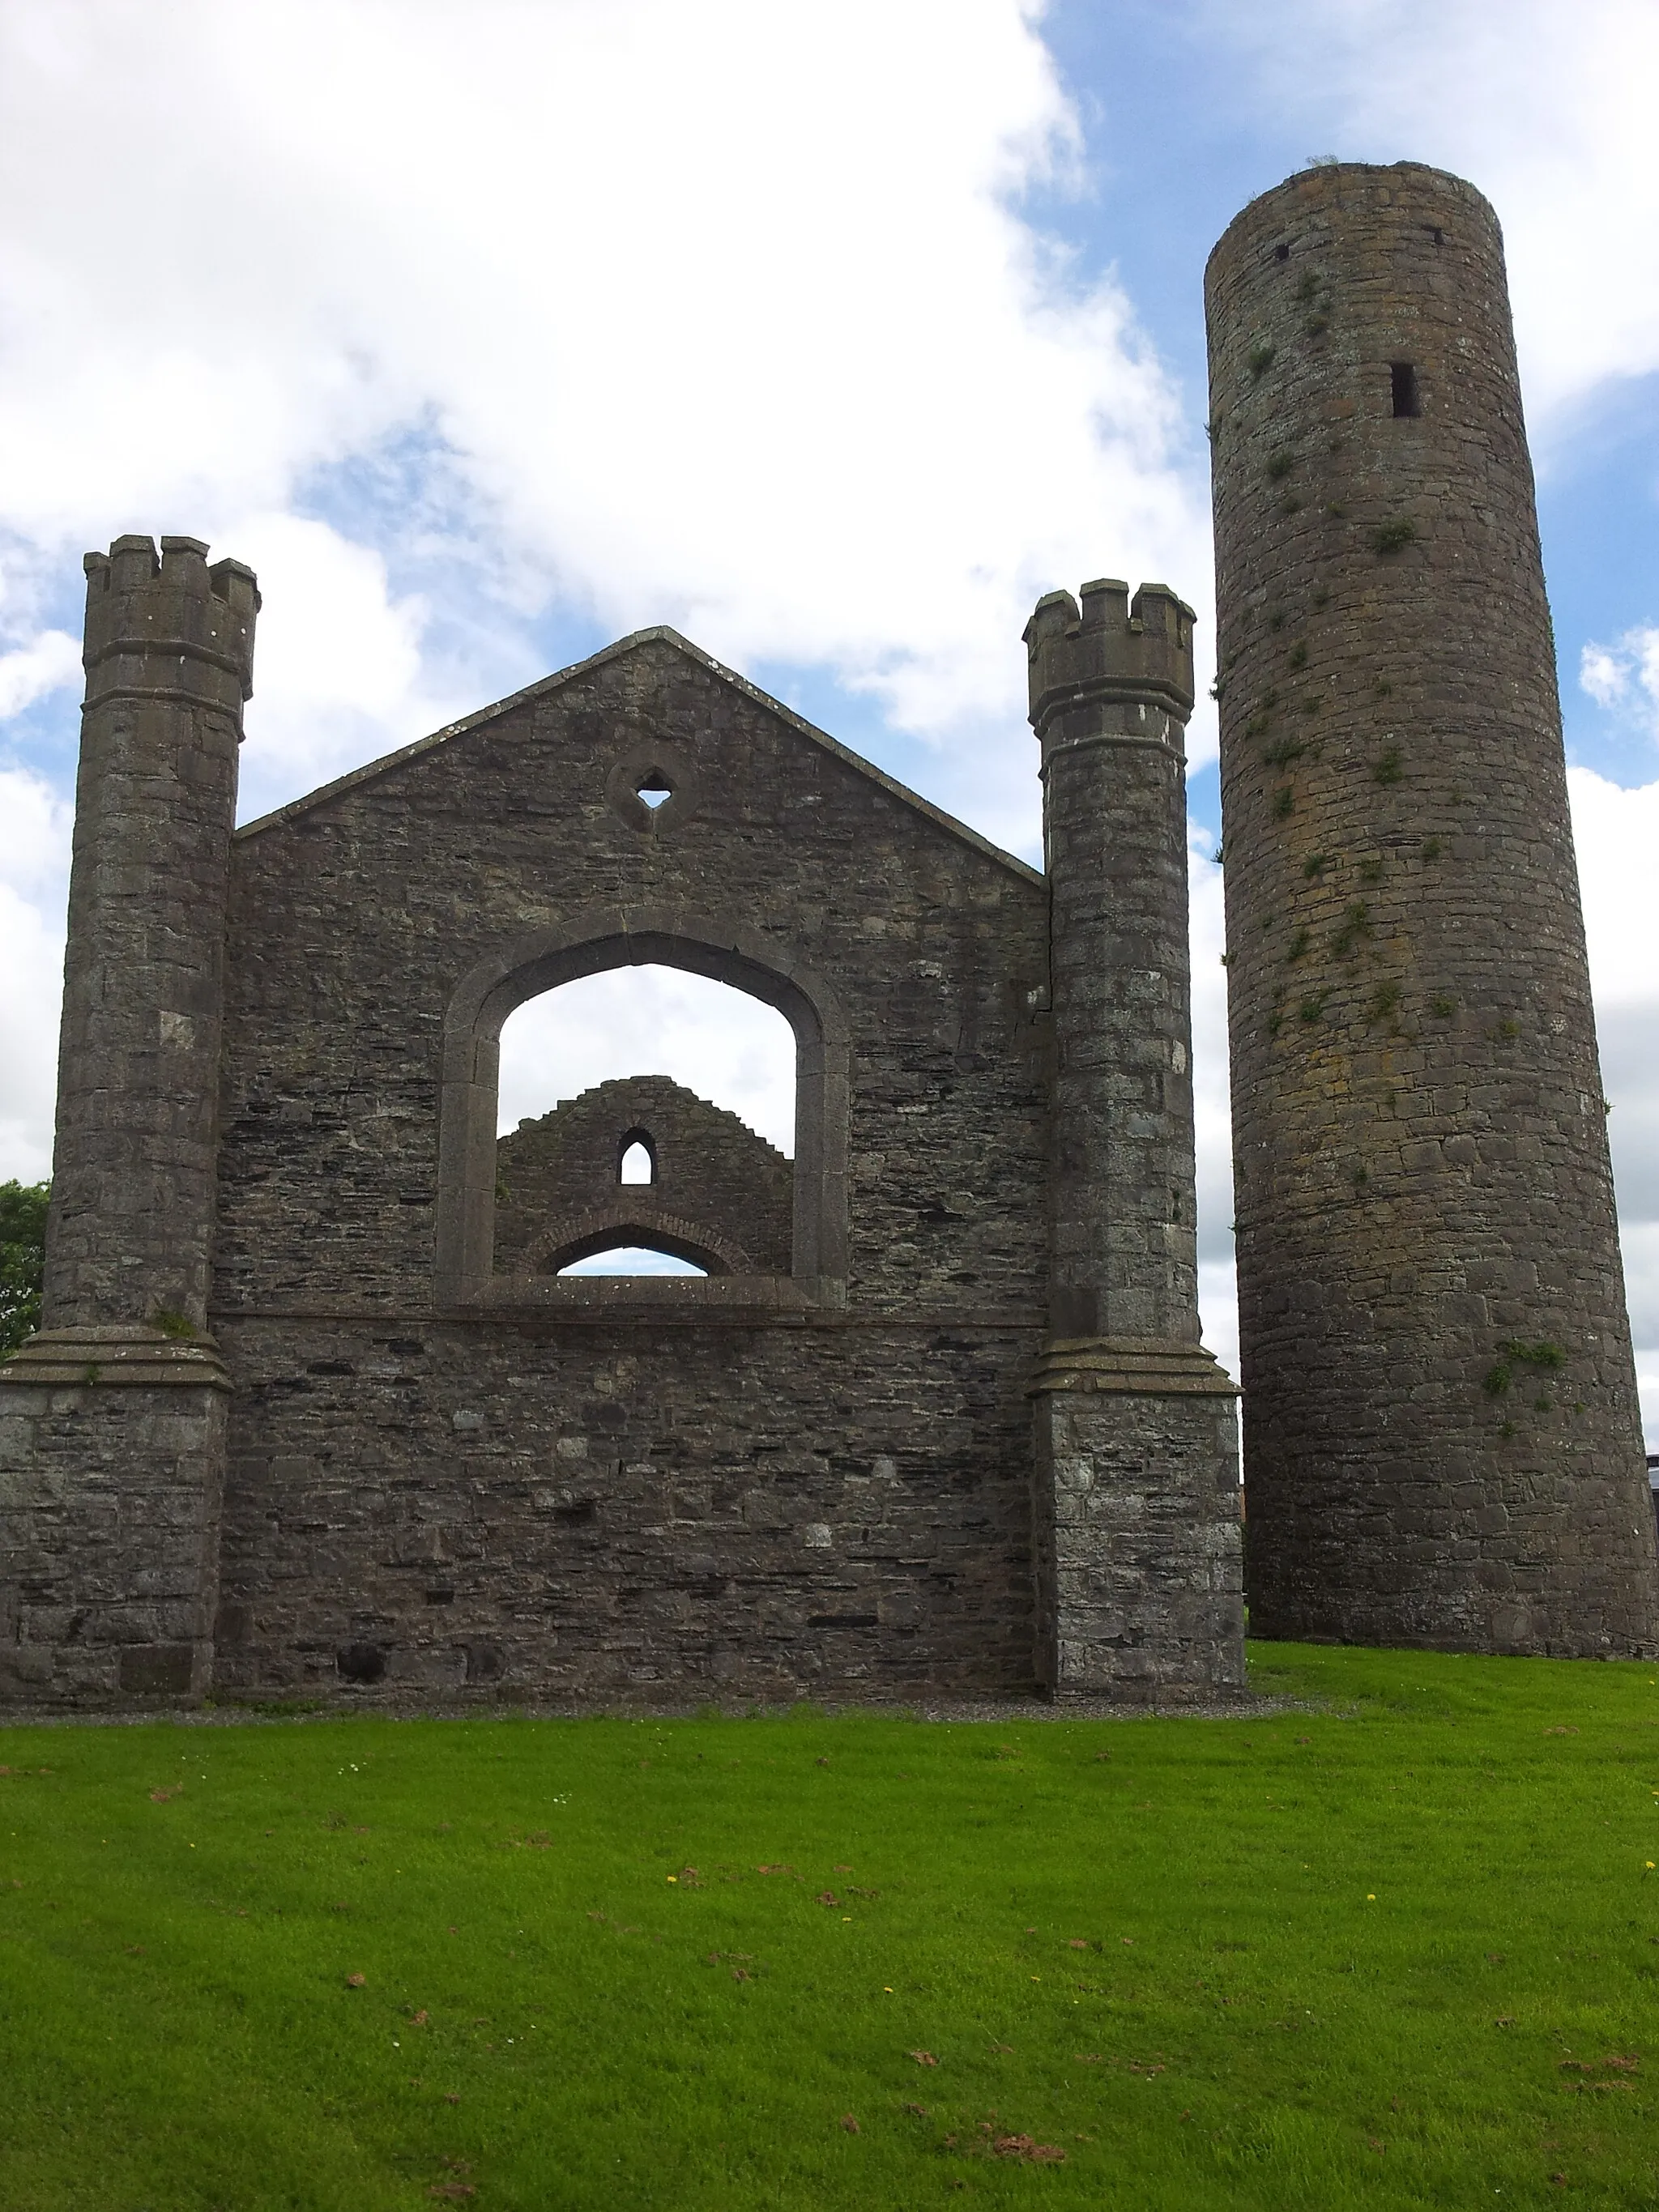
(22, 1261)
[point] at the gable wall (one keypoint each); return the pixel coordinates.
(352, 923)
(654, 1496)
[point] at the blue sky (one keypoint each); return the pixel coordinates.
(832, 337)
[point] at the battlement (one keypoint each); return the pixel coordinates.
(1112, 648)
(140, 607)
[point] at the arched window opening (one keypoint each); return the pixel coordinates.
(655, 789)
(647, 1121)
(543, 1039)
(638, 1163)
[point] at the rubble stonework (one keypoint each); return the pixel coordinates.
(314, 1409)
(719, 1196)
(1136, 1478)
(442, 1466)
(1442, 1442)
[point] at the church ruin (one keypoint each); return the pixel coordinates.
(314, 1409)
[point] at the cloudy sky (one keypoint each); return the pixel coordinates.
(490, 331)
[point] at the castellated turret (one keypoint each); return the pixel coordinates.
(115, 1412)
(1136, 1518)
(1441, 1435)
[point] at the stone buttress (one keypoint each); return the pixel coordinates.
(1442, 1443)
(112, 1418)
(1136, 1501)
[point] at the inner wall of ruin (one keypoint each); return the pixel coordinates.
(718, 1196)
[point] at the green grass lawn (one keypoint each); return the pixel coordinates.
(1399, 1949)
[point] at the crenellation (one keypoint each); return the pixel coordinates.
(148, 615)
(1134, 654)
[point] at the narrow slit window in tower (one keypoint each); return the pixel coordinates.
(1403, 376)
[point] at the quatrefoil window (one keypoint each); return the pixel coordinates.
(651, 786)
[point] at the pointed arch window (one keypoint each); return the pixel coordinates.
(636, 1157)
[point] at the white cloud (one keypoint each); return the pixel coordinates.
(34, 835)
(49, 662)
(1640, 1241)
(1547, 109)
(1625, 674)
(1617, 832)
(722, 315)
(1217, 1300)
(35, 824)
(340, 673)
(720, 1043)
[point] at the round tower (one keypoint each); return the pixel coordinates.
(1441, 1433)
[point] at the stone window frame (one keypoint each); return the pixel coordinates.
(536, 961)
(640, 1135)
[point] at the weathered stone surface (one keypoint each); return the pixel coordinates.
(169, 650)
(939, 1417)
(650, 1511)
(1139, 1569)
(109, 1539)
(115, 1415)
(1419, 1143)
(719, 1196)
(481, 1480)
(1135, 1502)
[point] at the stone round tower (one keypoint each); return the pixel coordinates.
(1442, 1441)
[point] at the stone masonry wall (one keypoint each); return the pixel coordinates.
(113, 1416)
(169, 650)
(109, 1533)
(1139, 1564)
(634, 1492)
(1135, 1501)
(720, 1194)
(1440, 1418)
(653, 1512)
